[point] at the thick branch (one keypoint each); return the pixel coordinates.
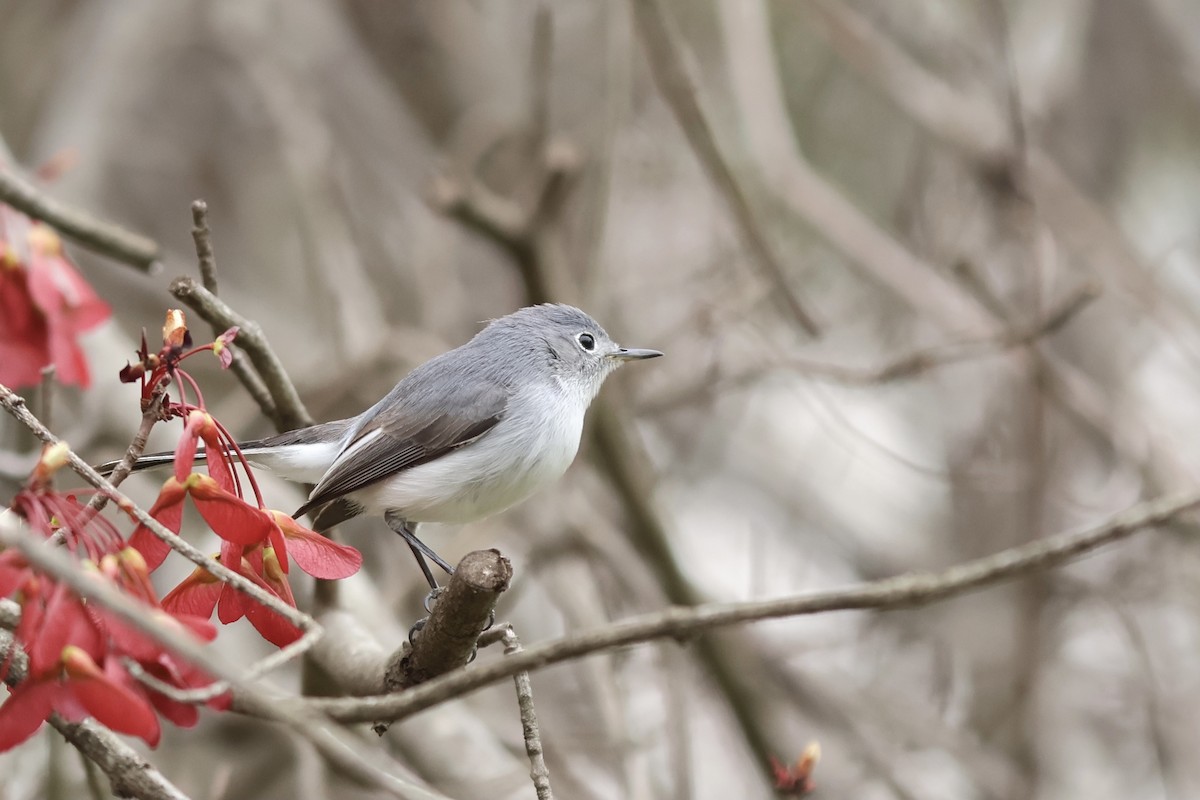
(82, 228)
(463, 610)
(128, 773)
(903, 591)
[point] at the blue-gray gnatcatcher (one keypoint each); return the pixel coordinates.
(466, 434)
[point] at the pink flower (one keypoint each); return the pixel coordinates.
(45, 305)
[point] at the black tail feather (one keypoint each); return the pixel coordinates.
(147, 461)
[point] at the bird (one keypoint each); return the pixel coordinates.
(465, 435)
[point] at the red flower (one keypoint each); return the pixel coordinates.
(230, 517)
(45, 305)
(201, 593)
(66, 648)
(317, 555)
(795, 780)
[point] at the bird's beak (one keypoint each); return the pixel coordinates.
(633, 354)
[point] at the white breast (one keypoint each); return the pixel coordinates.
(532, 446)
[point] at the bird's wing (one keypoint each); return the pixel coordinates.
(410, 428)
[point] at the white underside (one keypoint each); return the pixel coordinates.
(501, 468)
(302, 463)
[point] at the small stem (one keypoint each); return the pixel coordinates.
(529, 722)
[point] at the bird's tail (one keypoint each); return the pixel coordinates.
(147, 461)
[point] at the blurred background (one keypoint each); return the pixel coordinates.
(987, 206)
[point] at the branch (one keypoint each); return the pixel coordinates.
(463, 610)
(526, 235)
(136, 447)
(903, 591)
(249, 379)
(129, 774)
(679, 91)
(903, 367)
(82, 228)
(289, 412)
(530, 730)
(350, 654)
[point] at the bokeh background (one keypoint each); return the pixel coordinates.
(1007, 186)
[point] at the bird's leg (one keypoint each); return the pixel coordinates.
(420, 550)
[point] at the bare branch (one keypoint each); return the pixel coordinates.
(249, 379)
(903, 591)
(903, 367)
(202, 237)
(678, 89)
(350, 654)
(136, 447)
(290, 412)
(462, 611)
(526, 235)
(78, 226)
(529, 723)
(464, 608)
(129, 774)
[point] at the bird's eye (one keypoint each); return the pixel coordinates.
(586, 341)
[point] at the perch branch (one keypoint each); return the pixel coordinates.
(448, 639)
(902, 591)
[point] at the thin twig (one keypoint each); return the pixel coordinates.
(289, 411)
(82, 228)
(202, 237)
(46, 394)
(245, 373)
(903, 367)
(529, 723)
(678, 89)
(903, 591)
(137, 446)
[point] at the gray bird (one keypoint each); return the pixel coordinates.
(467, 434)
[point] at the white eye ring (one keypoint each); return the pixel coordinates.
(586, 341)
